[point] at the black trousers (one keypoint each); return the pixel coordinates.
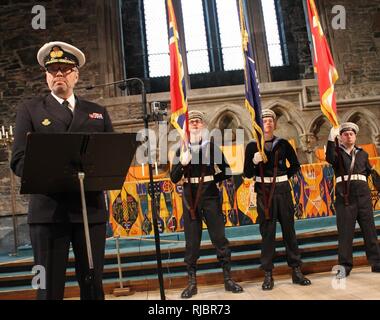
(51, 243)
(282, 209)
(359, 209)
(209, 210)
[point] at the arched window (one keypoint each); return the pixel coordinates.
(211, 36)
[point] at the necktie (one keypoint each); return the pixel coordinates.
(67, 108)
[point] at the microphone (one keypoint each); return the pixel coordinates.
(122, 84)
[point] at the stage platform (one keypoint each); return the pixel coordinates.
(362, 284)
(317, 239)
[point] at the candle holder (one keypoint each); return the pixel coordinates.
(6, 140)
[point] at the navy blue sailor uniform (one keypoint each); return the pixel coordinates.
(205, 156)
(359, 205)
(55, 219)
(281, 207)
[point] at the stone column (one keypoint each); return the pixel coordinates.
(110, 45)
(257, 33)
(308, 145)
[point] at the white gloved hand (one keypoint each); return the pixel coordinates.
(334, 132)
(257, 158)
(185, 157)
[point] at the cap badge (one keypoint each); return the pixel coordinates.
(56, 52)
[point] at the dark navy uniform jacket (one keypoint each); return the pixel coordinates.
(208, 154)
(361, 166)
(285, 152)
(47, 115)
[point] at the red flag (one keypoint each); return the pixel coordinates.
(179, 116)
(324, 66)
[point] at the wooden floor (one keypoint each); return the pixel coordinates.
(362, 284)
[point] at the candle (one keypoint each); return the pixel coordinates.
(11, 130)
(155, 167)
(142, 169)
(1, 136)
(3, 130)
(324, 148)
(6, 135)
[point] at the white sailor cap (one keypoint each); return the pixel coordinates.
(268, 113)
(348, 126)
(195, 114)
(60, 52)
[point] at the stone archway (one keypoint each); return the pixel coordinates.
(369, 130)
(291, 116)
(320, 128)
(229, 118)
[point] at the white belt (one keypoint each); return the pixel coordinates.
(361, 177)
(270, 179)
(197, 180)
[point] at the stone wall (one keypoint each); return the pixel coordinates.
(20, 75)
(356, 49)
(297, 42)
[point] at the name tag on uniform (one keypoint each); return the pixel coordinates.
(95, 115)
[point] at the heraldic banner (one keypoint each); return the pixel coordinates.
(131, 215)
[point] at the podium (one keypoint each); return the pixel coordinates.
(52, 161)
(77, 162)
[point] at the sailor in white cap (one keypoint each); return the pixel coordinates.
(268, 113)
(201, 201)
(196, 125)
(274, 198)
(353, 197)
(55, 220)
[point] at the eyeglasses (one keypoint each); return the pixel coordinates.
(65, 70)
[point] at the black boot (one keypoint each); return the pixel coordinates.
(343, 272)
(375, 268)
(191, 289)
(229, 284)
(268, 281)
(299, 278)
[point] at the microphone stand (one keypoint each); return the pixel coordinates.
(151, 180)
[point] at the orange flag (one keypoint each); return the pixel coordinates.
(179, 107)
(324, 66)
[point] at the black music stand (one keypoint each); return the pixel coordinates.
(77, 162)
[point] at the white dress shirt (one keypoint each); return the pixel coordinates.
(71, 101)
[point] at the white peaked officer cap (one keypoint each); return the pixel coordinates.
(60, 52)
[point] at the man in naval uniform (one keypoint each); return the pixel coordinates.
(353, 197)
(202, 167)
(55, 219)
(274, 199)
